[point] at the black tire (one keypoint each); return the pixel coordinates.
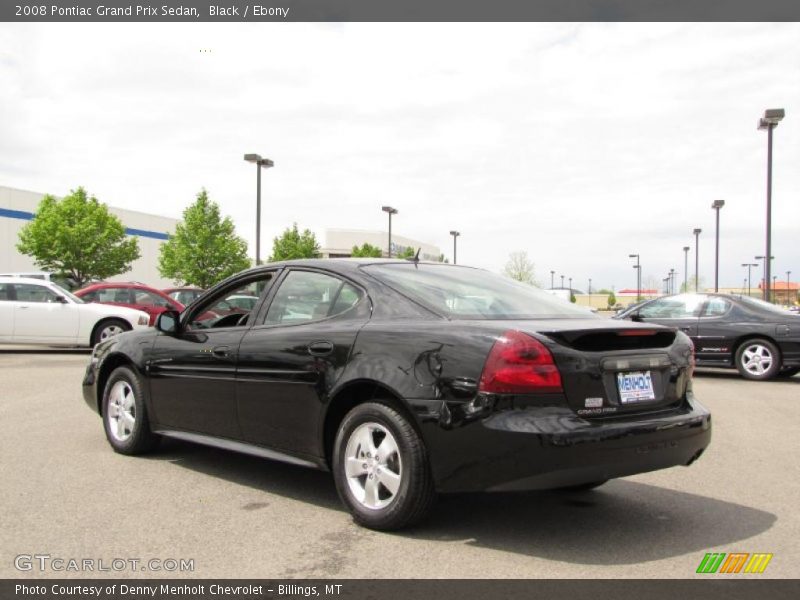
(137, 438)
(789, 372)
(415, 494)
(756, 370)
(583, 487)
(103, 329)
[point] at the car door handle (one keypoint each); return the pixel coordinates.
(220, 351)
(322, 348)
(687, 329)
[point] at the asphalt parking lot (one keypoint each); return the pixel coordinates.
(64, 493)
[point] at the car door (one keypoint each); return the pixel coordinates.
(43, 316)
(6, 312)
(681, 312)
(192, 372)
(716, 334)
(290, 360)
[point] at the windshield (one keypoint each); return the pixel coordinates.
(466, 293)
(69, 295)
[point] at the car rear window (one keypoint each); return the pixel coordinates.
(466, 293)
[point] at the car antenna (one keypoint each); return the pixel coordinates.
(416, 256)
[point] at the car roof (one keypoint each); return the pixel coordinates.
(7, 279)
(349, 264)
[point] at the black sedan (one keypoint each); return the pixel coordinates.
(406, 379)
(759, 339)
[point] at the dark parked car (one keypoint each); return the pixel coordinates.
(406, 379)
(759, 339)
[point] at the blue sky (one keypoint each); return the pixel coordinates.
(577, 143)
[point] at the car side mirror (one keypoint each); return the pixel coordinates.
(636, 317)
(61, 300)
(168, 321)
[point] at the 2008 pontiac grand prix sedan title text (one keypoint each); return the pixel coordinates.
(405, 379)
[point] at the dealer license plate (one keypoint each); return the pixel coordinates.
(636, 386)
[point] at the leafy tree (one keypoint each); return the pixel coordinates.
(409, 252)
(77, 237)
(521, 268)
(367, 251)
(612, 299)
(689, 287)
(442, 259)
(293, 244)
(204, 249)
(572, 298)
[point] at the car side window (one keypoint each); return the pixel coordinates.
(232, 307)
(306, 296)
(676, 307)
(5, 292)
(27, 292)
(716, 307)
(146, 298)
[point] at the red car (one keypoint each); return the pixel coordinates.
(185, 295)
(134, 295)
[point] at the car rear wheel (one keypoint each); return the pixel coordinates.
(107, 329)
(381, 468)
(124, 414)
(758, 359)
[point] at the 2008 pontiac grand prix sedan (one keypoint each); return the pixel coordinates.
(405, 379)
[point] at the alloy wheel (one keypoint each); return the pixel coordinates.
(756, 359)
(373, 466)
(121, 411)
(110, 331)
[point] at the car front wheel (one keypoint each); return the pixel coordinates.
(758, 359)
(125, 415)
(381, 468)
(107, 329)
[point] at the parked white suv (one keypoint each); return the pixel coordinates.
(34, 311)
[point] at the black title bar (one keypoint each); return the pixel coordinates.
(143, 11)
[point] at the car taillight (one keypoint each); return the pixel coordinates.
(519, 364)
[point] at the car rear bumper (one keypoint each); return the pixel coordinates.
(549, 447)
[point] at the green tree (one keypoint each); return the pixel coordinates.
(409, 252)
(77, 237)
(521, 268)
(204, 249)
(293, 244)
(366, 251)
(612, 299)
(442, 259)
(572, 298)
(689, 286)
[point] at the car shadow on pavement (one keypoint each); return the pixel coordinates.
(624, 522)
(730, 374)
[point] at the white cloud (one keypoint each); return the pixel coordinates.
(579, 143)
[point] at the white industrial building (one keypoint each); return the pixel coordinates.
(17, 208)
(339, 243)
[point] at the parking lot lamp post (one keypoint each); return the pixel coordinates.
(774, 291)
(562, 282)
(570, 286)
(552, 274)
(770, 120)
(696, 233)
(672, 281)
(749, 267)
(391, 211)
(638, 268)
(764, 285)
(590, 285)
(746, 286)
(261, 163)
(455, 235)
(686, 268)
(788, 275)
(716, 206)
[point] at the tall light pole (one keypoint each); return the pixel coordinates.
(774, 295)
(764, 276)
(696, 233)
(770, 120)
(455, 235)
(570, 286)
(749, 266)
(562, 282)
(638, 268)
(686, 268)
(672, 281)
(716, 206)
(261, 163)
(391, 211)
(552, 274)
(590, 286)
(788, 276)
